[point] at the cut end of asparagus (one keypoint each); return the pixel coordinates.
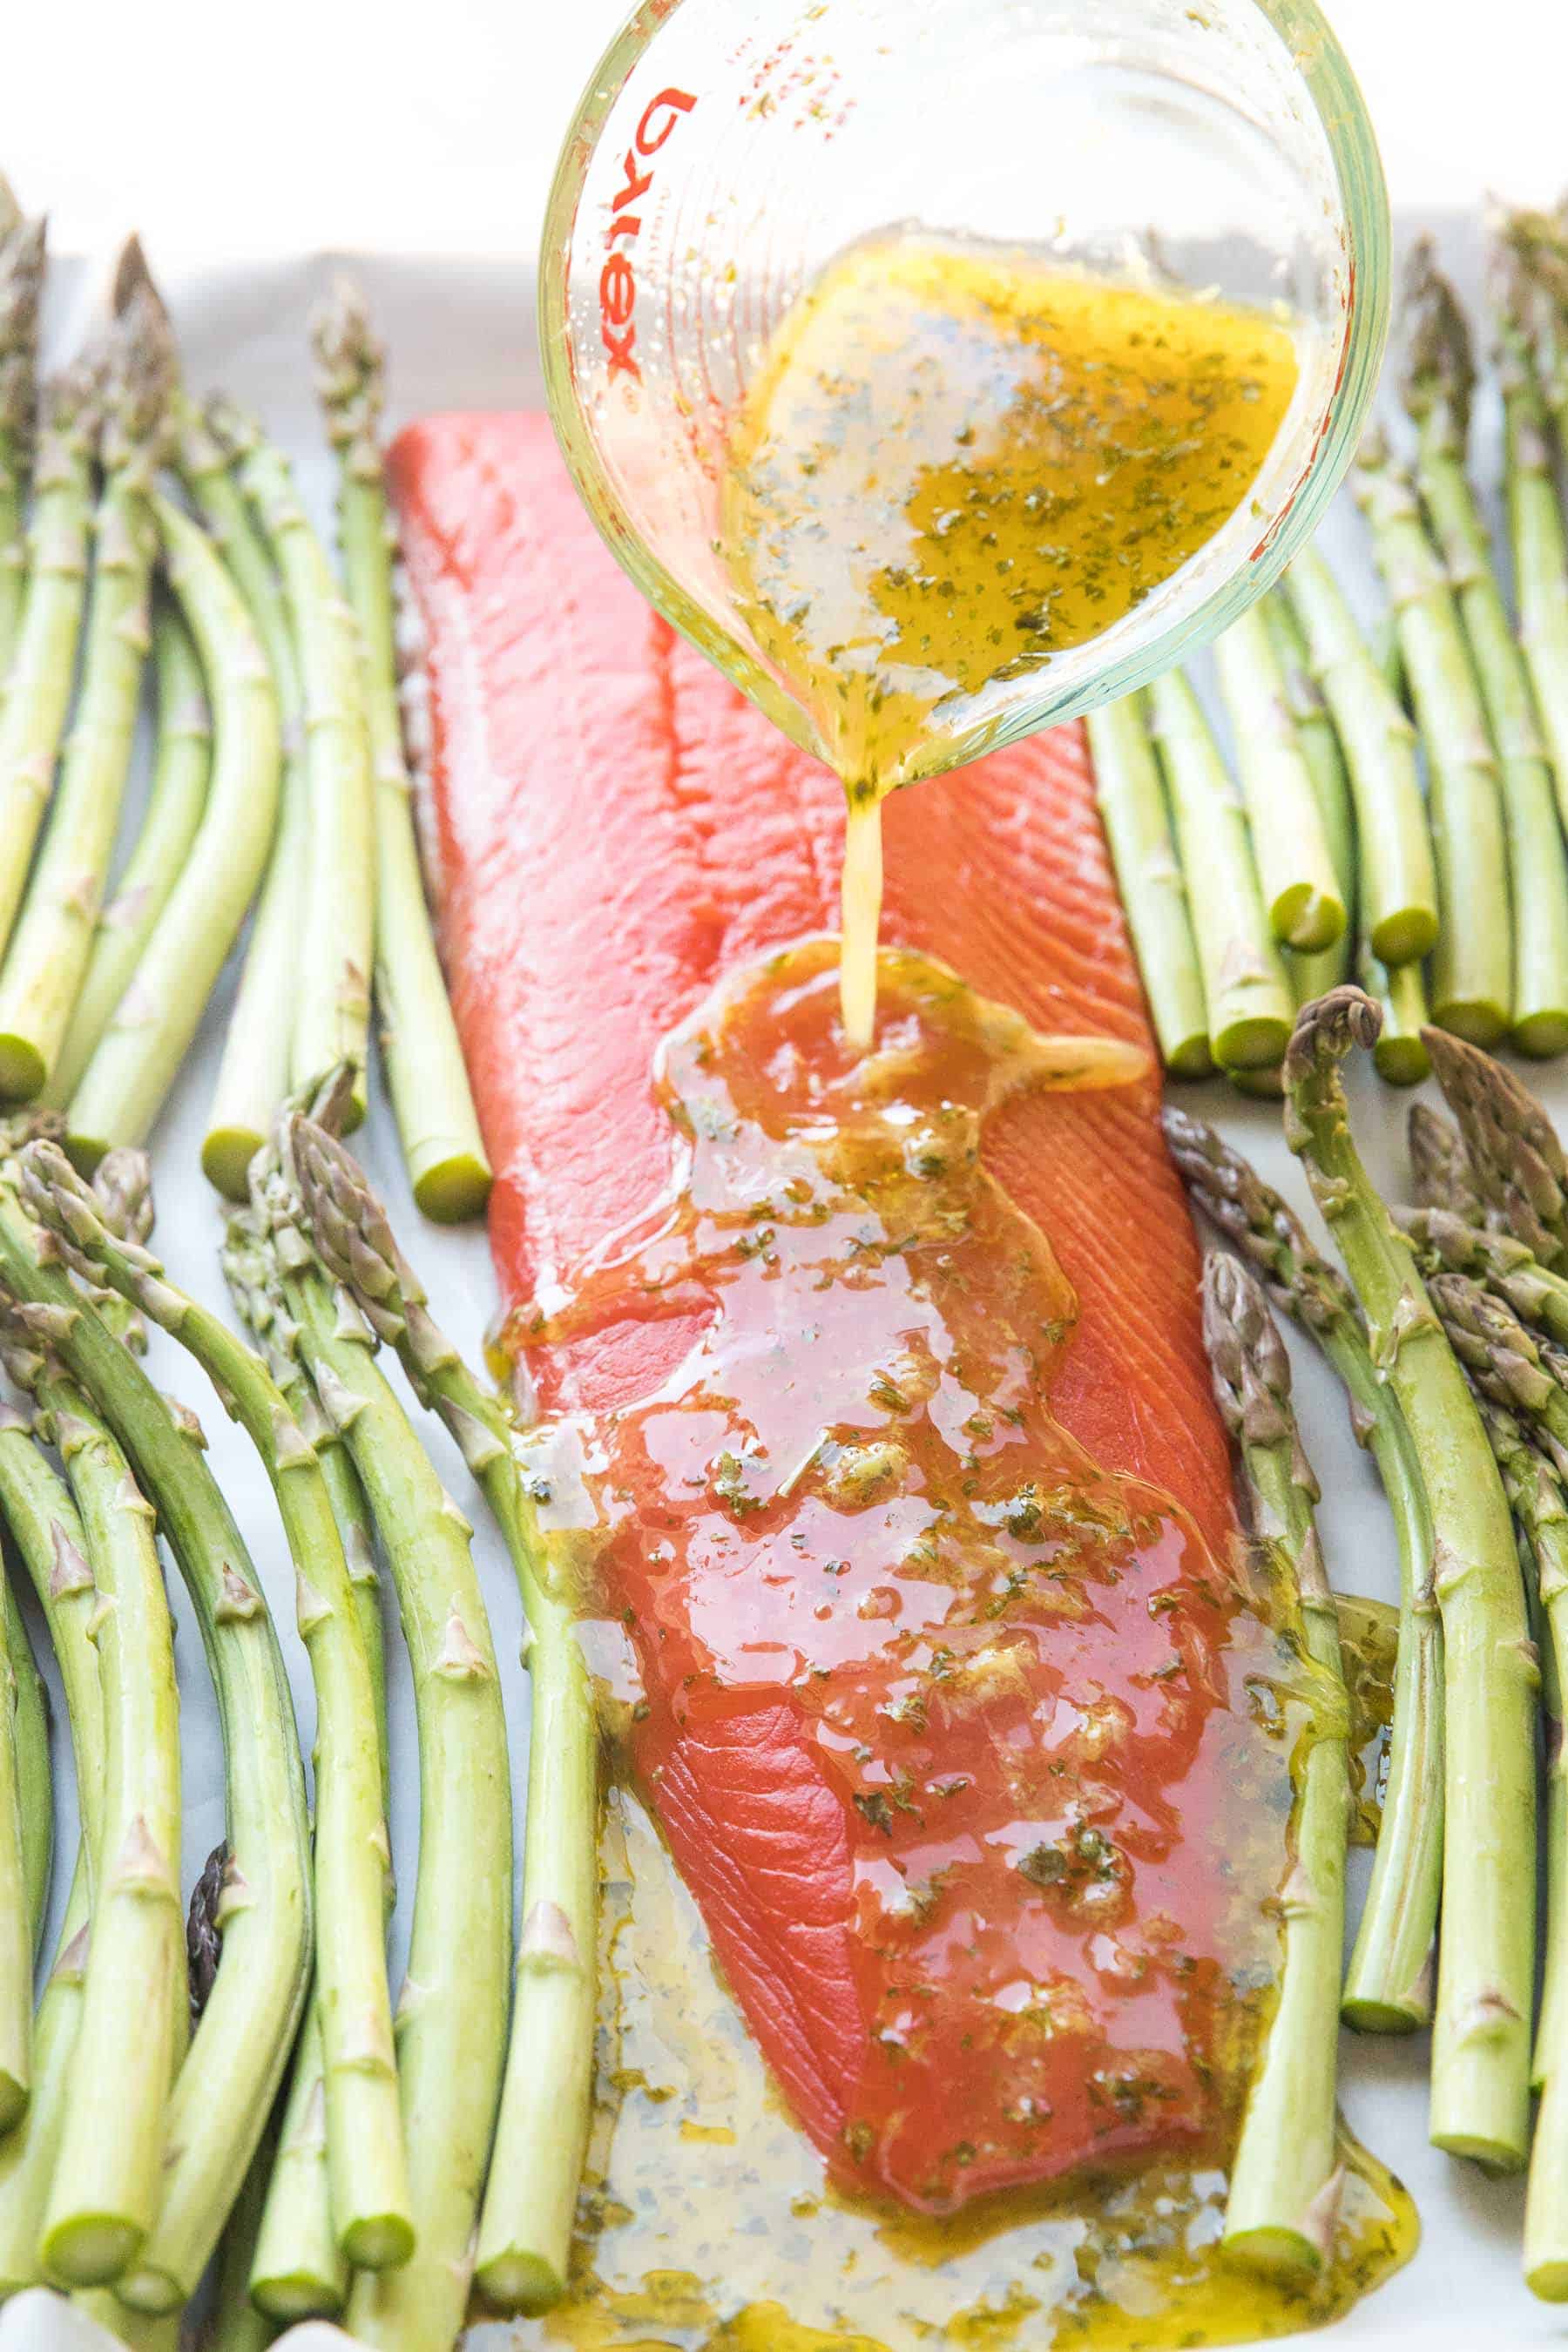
(1275, 2252)
(90, 2249)
(226, 1155)
(1479, 1020)
(1543, 1036)
(457, 1187)
(296, 2295)
(1402, 1061)
(1257, 1041)
(15, 2096)
(1404, 937)
(1307, 919)
(1548, 2279)
(521, 2281)
(23, 1069)
(380, 2242)
(1365, 2016)
(151, 2291)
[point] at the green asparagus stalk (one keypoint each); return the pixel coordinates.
(1132, 798)
(1438, 381)
(542, 2136)
(1397, 879)
(37, 1506)
(227, 2087)
(1285, 2184)
(1399, 992)
(365, 2140)
(1312, 975)
(1296, 866)
(174, 812)
(423, 1059)
(1515, 1158)
(1504, 1363)
(133, 1065)
(253, 1075)
(1388, 1985)
(1535, 1490)
(1472, 964)
(104, 2196)
(296, 2268)
(1481, 2061)
(38, 684)
(15, 1924)
(235, 2323)
(21, 281)
(49, 949)
(1534, 518)
(451, 2036)
(1440, 1172)
(335, 937)
(34, 1788)
(1246, 991)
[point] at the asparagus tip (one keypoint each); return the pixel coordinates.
(1248, 1362)
(1330, 1028)
(1439, 365)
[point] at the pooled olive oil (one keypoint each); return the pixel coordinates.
(956, 464)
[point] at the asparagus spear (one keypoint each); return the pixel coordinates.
(1440, 1167)
(419, 1044)
(1399, 992)
(1245, 992)
(1388, 1983)
(21, 282)
(1535, 1490)
(1446, 1244)
(133, 1065)
(335, 936)
(230, 2078)
(104, 2195)
(1285, 2182)
(297, 2269)
(15, 1924)
(1514, 1156)
(48, 951)
(38, 684)
(1438, 381)
(34, 1789)
(1397, 879)
(1319, 746)
(1472, 966)
(1480, 2039)
(451, 2036)
(1534, 518)
(1131, 800)
(253, 1075)
(1295, 866)
(174, 812)
(37, 1507)
(541, 2137)
(365, 2140)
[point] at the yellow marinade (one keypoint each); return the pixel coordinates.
(957, 463)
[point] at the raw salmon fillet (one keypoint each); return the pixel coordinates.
(609, 826)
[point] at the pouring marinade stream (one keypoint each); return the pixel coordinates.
(955, 463)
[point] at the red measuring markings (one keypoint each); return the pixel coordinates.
(618, 279)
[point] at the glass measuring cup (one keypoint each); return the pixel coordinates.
(726, 150)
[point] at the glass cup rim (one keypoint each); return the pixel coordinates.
(1341, 115)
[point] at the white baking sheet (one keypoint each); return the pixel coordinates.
(460, 334)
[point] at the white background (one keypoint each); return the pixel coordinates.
(232, 135)
(226, 129)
